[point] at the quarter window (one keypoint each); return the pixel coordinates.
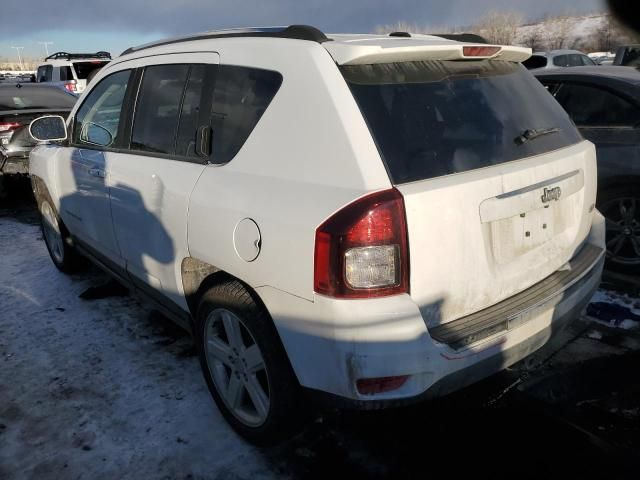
(240, 98)
(591, 106)
(98, 119)
(158, 110)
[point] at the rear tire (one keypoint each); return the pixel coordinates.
(621, 209)
(57, 239)
(245, 365)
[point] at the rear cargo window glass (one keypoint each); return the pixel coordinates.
(595, 107)
(158, 109)
(240, 98)
(35, 97)
(436, 118)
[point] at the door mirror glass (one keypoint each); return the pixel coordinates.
(49, 128)
(95, 134)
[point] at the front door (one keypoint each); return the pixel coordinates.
(84, 191)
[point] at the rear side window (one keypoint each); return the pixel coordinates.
(98, 118)
(561, 61)
(158, 108)
(436, 118)
(591, 106)
(65, 74)
(240, 98)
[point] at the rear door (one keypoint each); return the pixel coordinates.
(498, 185)
(151, 183)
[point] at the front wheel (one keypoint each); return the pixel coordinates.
(245, 365)
(56, 239)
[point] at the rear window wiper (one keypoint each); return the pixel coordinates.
(533, 134)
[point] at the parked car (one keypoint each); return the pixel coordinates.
(72, 70)
(19, 105)
(627, 56)
(604, 103)
(369, 220)
(557, 58)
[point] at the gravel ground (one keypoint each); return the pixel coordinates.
(103, 387)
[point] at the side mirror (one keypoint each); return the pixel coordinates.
(50, 128)
(95, 134)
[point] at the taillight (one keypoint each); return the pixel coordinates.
(362, 250)
(5, 127)
(71, 86)
(480, 51)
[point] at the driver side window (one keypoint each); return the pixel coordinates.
(97, 120)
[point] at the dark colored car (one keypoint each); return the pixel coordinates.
(604, 103)
(19, 105)
(627, 56)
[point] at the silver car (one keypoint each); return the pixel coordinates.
(557, 58)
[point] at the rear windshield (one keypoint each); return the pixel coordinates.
(83, 69)
(436, 118)
(35, 97)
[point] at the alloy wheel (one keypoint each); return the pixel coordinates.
(623, 230)
(237, 367)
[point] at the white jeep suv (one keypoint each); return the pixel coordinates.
(372, 219)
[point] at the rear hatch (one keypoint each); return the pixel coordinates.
(499, 186)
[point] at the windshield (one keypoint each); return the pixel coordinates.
(436, 118)
(35, 97)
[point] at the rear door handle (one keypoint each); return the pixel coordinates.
(97, 172)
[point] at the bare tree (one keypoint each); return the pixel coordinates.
(533, 38)
(500, 27)
(557, 32)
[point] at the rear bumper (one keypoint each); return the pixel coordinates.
(333, 343)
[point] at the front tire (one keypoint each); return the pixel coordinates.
(57, 240)
(245, 365)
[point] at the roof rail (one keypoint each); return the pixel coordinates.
(71, 56)
(461, 37)
(400, 34)
(297, 32)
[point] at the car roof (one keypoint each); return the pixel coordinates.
(554, 53)
(348, 48)
(624, 74)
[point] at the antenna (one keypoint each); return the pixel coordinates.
(46, 46)
(19, 56)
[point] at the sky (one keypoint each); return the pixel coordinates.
(114, 25)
